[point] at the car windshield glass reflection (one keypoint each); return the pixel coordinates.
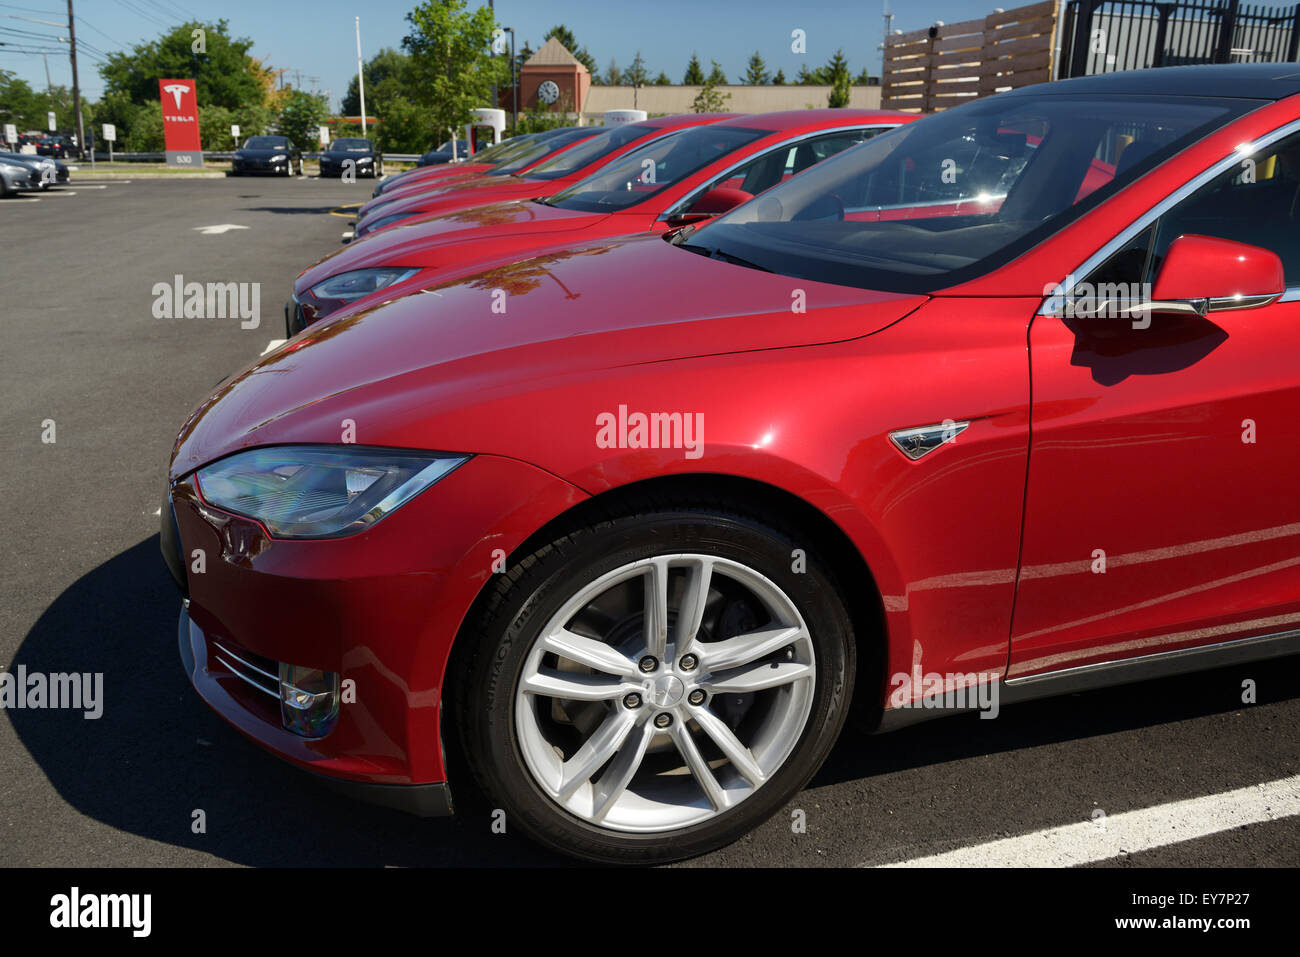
(946, 199)
(644, 172)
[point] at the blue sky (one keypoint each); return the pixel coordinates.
(316, 37)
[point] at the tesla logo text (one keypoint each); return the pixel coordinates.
(653, 430)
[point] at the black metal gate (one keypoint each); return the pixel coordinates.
(1103, 36)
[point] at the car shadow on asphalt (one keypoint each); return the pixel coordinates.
(158, 754)
(1088, 714)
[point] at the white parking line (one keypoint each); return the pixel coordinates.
(274, 344)
(60, 193)
(1129, 832)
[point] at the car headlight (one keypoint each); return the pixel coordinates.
(364, 159)
(349, 286)
(320, 491)
(371, 226)
(278, 156)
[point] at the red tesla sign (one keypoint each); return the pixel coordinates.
(180, 110)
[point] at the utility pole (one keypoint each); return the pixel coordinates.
(49, 87)
(514, 84)
(76, 88)
(361, 80)
(887, 16)
(495, 101)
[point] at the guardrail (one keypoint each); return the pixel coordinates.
(217, 155)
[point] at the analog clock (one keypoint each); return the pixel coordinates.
(548, 92)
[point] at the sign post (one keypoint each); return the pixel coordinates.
(110, 137)
(11, 134)
(234, 134)
(50, 122)
(180, 112)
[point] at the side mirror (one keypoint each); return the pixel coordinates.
(1202, 274)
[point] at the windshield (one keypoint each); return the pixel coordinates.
(537, 149)
(584, 154)
(350, 144)
(644, 172)
(266, 143)
(949, 197)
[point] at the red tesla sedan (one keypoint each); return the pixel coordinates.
(619, 532)
(673, 179)
(520, 179)
(490, 157)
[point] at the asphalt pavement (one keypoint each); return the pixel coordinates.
(1178, 772)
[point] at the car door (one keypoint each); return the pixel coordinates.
(1162, 508)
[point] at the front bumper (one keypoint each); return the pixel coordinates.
(378, 611)
(422, 800)
(260, 166)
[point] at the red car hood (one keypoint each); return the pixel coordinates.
(427, 186)
(405, 372)
(419, 243)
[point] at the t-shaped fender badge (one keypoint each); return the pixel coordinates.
(924, 439)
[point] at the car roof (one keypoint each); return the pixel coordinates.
(815, 119)
(1252, 81)
(677, 119)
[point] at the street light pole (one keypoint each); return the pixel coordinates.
(361, 80)
(514, 84)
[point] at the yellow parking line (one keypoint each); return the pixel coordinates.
(340, 210)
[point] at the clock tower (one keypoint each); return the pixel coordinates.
(553, 79)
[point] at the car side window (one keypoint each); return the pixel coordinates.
(1256, 202)
(777, 165)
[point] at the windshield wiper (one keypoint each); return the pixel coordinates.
(727, 257)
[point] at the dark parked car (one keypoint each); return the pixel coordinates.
(47, 172)
(351, 149)
(442, 154)
(15, 176)
(57, 146)
(267, 154)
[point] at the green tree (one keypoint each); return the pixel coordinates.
(388, 64)
(694, 73)
(662, 79)
(580, 53)
(709, 100)
(779, 79)
(863, 78)
(406, 128)
(224, 72)
(452, 67)
(756, 71)
(837, 73)
(636, 74)
(716, 76)
(613, 76)
(300, 118)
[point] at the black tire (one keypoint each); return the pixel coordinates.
(532, 590)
